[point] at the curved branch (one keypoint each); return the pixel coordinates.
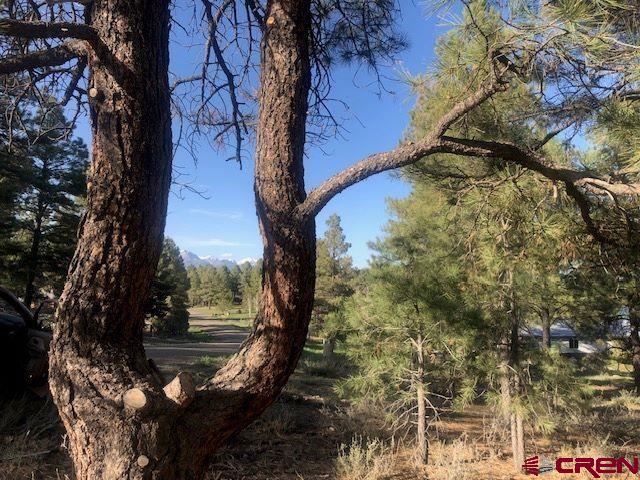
(410, 153)
(371, 165)
(19, 28)
(397, 158)
(536, 162)
(52, 57)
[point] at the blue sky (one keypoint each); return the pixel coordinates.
(224, 224)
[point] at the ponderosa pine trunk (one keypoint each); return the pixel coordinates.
(423, 443)
(508, 351)
(517, 439)
(545, 319)
(97, 353)
(519, 459)
(121, 422)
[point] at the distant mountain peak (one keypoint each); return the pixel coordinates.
(191, 259)
(249, 260)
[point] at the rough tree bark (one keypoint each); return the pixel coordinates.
(97, 352)
(254, 377)
(121, 423)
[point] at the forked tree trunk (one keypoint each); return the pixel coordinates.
(121, 423)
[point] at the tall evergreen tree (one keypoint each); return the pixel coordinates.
(167, 303)
(405, 320)
(250, 284)
(14, 164)
(334, 274)
(45, 194)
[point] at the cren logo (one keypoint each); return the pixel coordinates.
(596, 467)
(531, 466)
(536, 466)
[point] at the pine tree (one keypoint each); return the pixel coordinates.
(234, 284)
(334, 274)
(407, 320)
(14, 164)
(213, 287)
(195, 286)
(45, 200)
(167, 304)
(250, 283)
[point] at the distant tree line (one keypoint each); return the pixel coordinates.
(175, 288)
(223, 287)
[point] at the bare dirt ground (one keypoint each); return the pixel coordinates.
(311, 434)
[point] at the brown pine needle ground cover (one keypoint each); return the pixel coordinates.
(310, 433)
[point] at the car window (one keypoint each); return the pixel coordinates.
(7, 309)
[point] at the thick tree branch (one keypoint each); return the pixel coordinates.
(536, 162)
(371, 165)
(397, 158)
(19, 28)
(75, 79)
(52, 57)
(433, 143)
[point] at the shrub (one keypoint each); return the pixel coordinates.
(369, 459)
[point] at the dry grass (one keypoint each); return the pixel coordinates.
(365, 459)
(452, 460)
(30, 436)
(311, 434)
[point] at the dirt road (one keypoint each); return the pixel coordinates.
(221, 340)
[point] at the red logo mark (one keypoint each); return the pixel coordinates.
(531, 466)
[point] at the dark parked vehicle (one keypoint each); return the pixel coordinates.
(24, 347)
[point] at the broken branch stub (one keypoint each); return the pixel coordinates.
(135, 399)
(181, 390)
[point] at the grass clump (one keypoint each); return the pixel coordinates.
(369, 459)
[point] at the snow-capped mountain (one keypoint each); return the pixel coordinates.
(249, 260)
(190, 259)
